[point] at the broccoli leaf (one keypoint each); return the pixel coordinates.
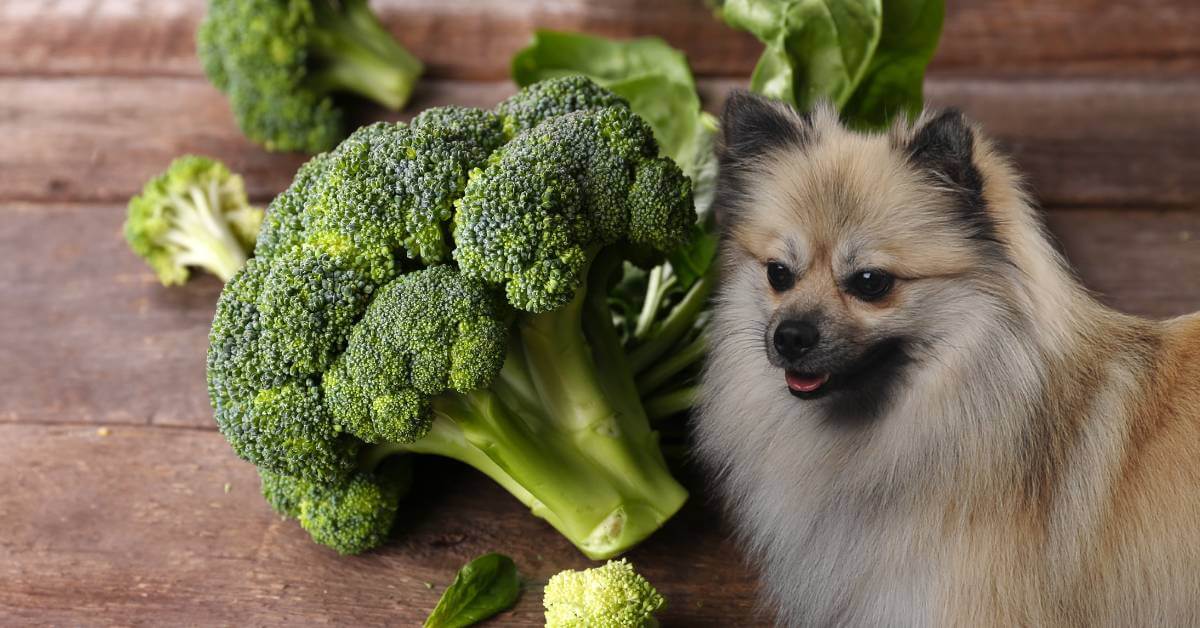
(483, 587)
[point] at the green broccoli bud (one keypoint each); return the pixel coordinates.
(557, 193)
(194, 215)
(350, 517)
(427, 332)
(610, 596)
(555, 97)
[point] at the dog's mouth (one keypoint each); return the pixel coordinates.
(805, 385)
(875, 364)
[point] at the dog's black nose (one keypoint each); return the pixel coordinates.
(794, 338)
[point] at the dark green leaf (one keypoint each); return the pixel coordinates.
(815, 49)
(692, 261)
(893, 82)
(553, 53)
(485, 586)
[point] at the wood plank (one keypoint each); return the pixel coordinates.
(158, 526)
(88, 335)
(476, 38)
(1083, 142)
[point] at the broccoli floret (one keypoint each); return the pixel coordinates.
(556, 97)
(352, 516)
(282, 62)
(552, 197)
(193, 215)
(441, 288)
(426, 332)
(610, 596)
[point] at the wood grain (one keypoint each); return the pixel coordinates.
(157, 526)
(474, 39)
(88, 335)
(1083, 142)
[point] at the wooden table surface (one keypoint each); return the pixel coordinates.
(121, 505)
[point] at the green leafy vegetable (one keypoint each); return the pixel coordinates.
(867, 57)
(483, 587)
(893, 82)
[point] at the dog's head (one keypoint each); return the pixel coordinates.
(852, 255)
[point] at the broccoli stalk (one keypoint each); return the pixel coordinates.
(562, 429)
(355, 53)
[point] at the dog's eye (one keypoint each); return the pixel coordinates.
(869, 285)
(780, 277)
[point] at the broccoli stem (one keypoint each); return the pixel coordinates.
(356, 53)
(680, 320)
(673, 402)
(656, 288)
(675, 363)
(562, 428)
(203, 235)
(552, 469)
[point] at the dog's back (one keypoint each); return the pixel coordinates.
(1148, 572)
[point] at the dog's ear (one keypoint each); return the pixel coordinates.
(751, 127)
(944, 147)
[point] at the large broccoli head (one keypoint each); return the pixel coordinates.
(282, 61)
(352, 332)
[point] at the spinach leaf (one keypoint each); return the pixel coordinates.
(485, 586)
(815, 49)
(866, 57)
(893, 82)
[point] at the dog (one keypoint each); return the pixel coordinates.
(914, 413)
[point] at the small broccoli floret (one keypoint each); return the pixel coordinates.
(555, 97)
(610, 596)
(281, 62)
(553, 196)
(350, 517)
(353, 334)
(193, 215)
(427, 332)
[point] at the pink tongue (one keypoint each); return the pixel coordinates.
(800, 383)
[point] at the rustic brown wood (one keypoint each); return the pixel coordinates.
(88, 335)
(474, 38)
(158, 526)
(1082, 142)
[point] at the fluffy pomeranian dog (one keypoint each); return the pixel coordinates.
(915, 413)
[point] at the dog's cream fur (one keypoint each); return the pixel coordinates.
(1037, 465)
